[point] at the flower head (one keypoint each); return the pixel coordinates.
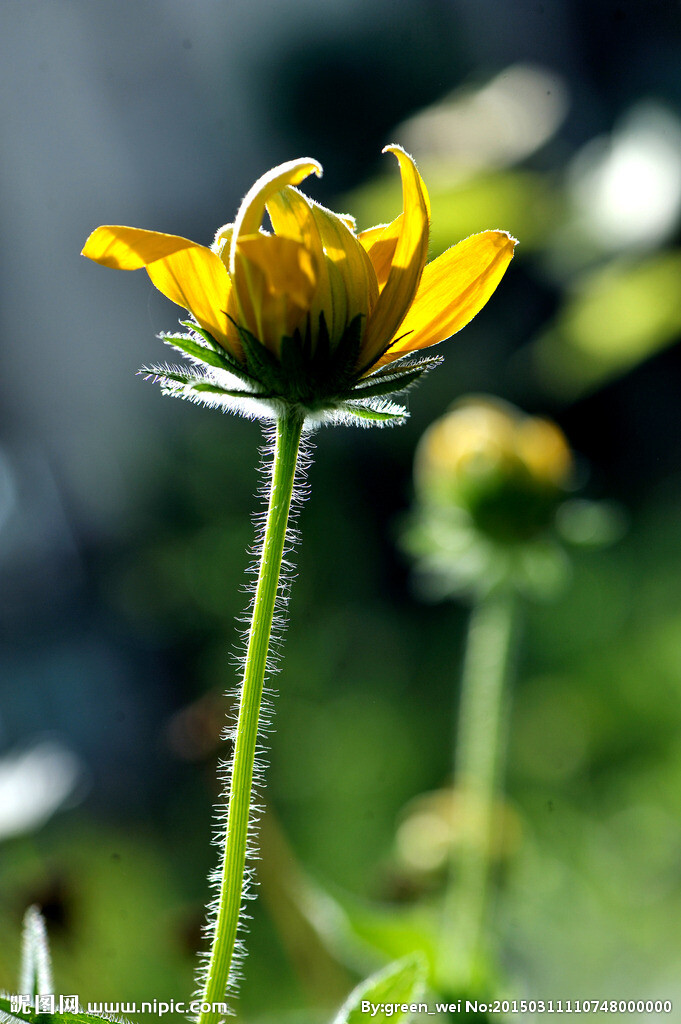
(508, 471)
(492, 489)
(312, 313)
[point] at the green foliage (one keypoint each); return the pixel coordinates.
(398, 985)
(122, 910)
(454, 558)
(616, 317)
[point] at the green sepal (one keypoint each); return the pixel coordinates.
(343, 360)
(379, 355)
(404, 363)
(389, 385)
(166, 373)
(199, 384)
(203, 333)
(215, 389)
(295, 368)
(365, 412)
(261, 365)
(301, 375)
(400, 984)
(308, 371)
(227, 360)
(314, 377)
(210, 341)
(322, 351)
(183, 343)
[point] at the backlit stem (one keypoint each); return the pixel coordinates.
(478, 766)
(289, 430)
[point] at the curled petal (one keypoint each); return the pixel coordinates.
(222, 242)
(453, 288)
(252, 209)
(411, 249)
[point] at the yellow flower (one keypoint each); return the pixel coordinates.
(508, 470)
(312, 311)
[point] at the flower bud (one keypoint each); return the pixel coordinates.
(508, 471)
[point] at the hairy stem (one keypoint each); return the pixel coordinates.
(285, 460)
(478, 763)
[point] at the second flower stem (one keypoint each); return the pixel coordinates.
(478, 766)
(284, 463)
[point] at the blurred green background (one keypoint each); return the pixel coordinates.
(125, 519)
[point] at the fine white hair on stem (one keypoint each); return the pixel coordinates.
(287, 574)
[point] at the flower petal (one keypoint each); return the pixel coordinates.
(291, 214)
(222, 242)
(251, 276)
(380, 243)
(197, 279)
(411, 250)
(352, 280)
(252, 209)
(454, 287)
(186, 273)
(131, 248)
(346, 283)
(274, 283)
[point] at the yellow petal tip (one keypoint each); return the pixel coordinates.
(304, 166)
(395, 147)
(503, 238)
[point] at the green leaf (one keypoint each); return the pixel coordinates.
(7, 1016)
(395, 992)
